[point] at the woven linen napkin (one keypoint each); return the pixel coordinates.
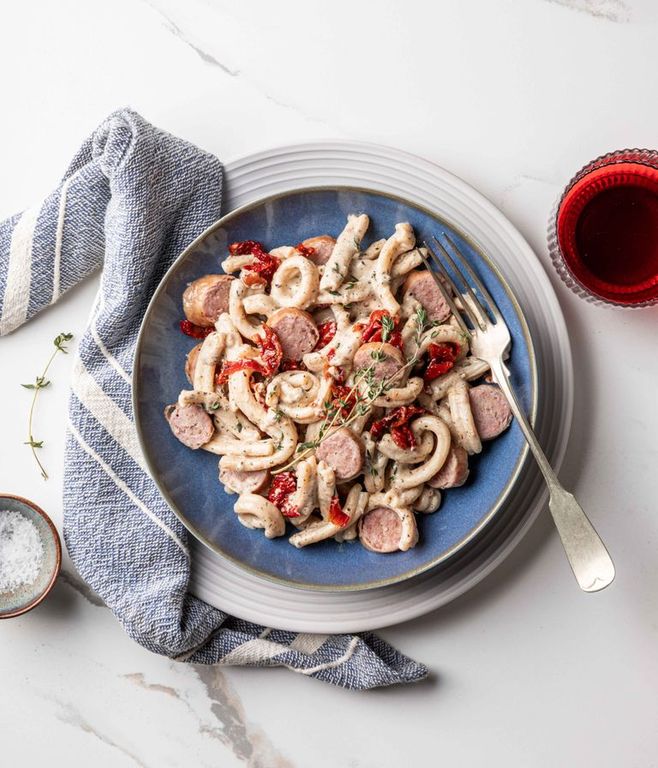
(132, 199)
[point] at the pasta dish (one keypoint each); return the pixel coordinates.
(336, 386)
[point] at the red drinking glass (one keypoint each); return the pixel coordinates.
(603, 234)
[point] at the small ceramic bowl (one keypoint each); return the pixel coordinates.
(24, 598)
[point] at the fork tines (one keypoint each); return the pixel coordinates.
(473, 308)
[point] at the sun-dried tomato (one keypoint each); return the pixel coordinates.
(253, 278)
(336, 514)
(403, 437)
(195, 331)
(263, 266)
(327, 332)
(374, 325)
(343, 398)
(395, 339)
(245, 248)
(231, 366)
(374, 330)
(270, 358)
(305, 250)
(281, 493)
(270, 349)
(397, 423)
(442, 358)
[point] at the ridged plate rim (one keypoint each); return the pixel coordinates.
(386, 169)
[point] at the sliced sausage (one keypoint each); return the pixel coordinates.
(205, 299)
(244, 481)
(190, 362)
(491, 411)
(344, 452)
(380, 530)
(454, 472)
(322, 246)
(296, 330)
(420, 284)
(190, 424)
(385, 359)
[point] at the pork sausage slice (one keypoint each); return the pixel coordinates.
(491, 411)
(296, 330)
(244, 481)
(420, 284)
(205, 299)
(344, 452)
(380, 530)
(322, 246)
(385, 359)
(454, 471)
(190, 362)
(190, 424)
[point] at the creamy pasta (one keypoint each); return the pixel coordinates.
(335, 386)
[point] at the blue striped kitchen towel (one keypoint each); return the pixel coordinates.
(131, 200)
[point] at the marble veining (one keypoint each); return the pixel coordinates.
(452, 81)
(229, 725)
(246, 741)
(608, 10)
(204, 55)
(207, 57)
(521, 180)
(71, 716)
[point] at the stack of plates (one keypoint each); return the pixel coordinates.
(248, 595)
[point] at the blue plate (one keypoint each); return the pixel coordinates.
(188, 479)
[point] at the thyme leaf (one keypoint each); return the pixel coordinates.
(388, 326)
(60, 340)
(41, 382)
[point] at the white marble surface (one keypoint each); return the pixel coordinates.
(513, 96)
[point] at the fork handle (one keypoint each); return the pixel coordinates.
(589, 559)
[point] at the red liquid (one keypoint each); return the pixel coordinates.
(608, 232)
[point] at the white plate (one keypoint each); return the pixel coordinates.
(227, 586)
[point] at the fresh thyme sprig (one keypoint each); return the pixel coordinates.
(328, 428)
(420, 318)
(361, 405)
(41, 383)
(388, 326)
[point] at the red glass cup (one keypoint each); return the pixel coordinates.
(603, 233)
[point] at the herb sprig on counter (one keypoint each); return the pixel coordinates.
(41, 382)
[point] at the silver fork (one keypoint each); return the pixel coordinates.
(490, 341)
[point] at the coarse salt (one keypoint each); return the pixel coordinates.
(21, 550)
